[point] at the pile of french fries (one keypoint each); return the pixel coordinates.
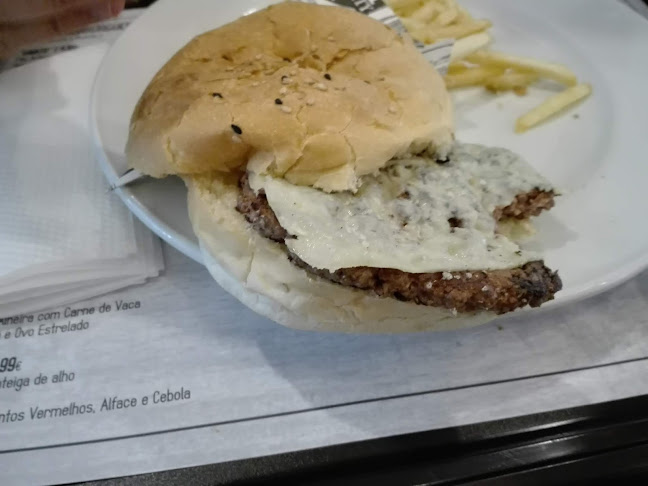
(473, 64)
(431, 20)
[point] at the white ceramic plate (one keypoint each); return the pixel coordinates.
(596, 236)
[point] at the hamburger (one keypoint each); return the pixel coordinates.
(324, 182)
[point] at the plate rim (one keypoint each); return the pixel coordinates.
(129, 198)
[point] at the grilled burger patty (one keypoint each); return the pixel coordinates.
(498, 291)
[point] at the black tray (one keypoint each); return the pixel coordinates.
(605, 443)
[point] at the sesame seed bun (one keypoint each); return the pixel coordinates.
(318, 95)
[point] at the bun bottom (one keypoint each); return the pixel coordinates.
(258, 273)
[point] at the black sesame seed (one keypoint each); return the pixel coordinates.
(328, 76)
(442, 161)
(237, 129)
(217, 95)
(455, 222)
(278, 101)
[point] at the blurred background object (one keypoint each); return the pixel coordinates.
(138, 3)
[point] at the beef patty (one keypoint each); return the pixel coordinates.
(498, 291)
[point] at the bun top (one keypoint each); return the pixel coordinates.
(318, 95)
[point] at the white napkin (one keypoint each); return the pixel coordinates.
(63, 236)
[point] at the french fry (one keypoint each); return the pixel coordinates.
(508, 81)
(455, 31)
(457, 68)
(405, 9)
(414, 27)
(549, 70)
(402, 4)
(471, 77)
(447, 17)
(470, 44)
(427, 13)
(552, 106)
(447, 4)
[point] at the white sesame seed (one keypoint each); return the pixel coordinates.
(468, 275)
(256, 83)
(428, 285)
(310, 101)
(283, 91)
(321, 86)
(393, 110)
(258, 57)
(454, 312)
(457, 277)
(447, 276)
(286, 80)
(236, 139)
(485, 288)
(286, 109)
(482, 182)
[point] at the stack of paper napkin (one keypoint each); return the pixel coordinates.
(63, 236)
